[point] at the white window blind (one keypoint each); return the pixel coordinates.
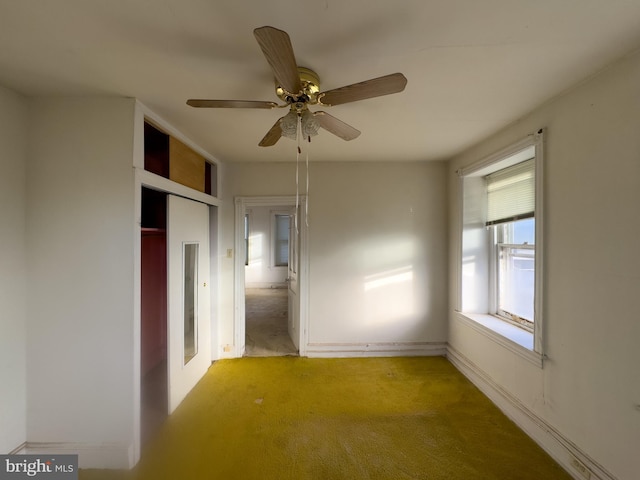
(511, 193)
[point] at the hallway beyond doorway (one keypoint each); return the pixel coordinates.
(266, 316)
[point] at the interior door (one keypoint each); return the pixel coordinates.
(292, 280)
(189, 326)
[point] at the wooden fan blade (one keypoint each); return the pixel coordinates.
(375, 87)
(272, 136)
(335, 126)
(277, 49)
(198, 103)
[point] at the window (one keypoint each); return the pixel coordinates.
(500, 268)
(281, 241)
(246, 239)
(510, 199)
(515, 279)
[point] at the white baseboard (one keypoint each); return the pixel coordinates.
(393, 349)
(104, 455)
(19, 449)
(577, 463)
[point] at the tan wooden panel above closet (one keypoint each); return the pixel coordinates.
(186, 166)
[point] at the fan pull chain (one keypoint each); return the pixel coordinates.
(306, 205)
(298, 152)
(295, 216)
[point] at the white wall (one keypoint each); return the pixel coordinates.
(589, 389)
(378, 255)
(80, 230)
(377, 252)
(262, 271)
(13, 161)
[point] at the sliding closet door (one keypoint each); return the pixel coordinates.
(189, 325)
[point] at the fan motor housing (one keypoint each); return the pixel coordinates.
(310, 88)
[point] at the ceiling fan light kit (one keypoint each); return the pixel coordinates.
(303, 120)
(299, 87)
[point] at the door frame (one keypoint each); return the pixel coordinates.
(239, 326)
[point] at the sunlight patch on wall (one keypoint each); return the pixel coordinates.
(255, 250)
(390, 277)
(389, 296)
(469, 265)
(468, 281)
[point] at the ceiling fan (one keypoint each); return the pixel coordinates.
(299, 87)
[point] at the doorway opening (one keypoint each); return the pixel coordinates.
(267, 255)
(270, 266)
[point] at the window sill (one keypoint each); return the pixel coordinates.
(509, 336)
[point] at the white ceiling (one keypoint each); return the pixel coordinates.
(473, 66)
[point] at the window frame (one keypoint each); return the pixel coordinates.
(477, 281)
(247, 235)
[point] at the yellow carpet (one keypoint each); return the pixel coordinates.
(344, 419)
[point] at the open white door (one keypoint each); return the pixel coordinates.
(292, 280)
(189, 337)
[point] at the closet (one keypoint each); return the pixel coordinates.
(167, 157)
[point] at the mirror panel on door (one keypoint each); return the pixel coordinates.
(190, 300)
